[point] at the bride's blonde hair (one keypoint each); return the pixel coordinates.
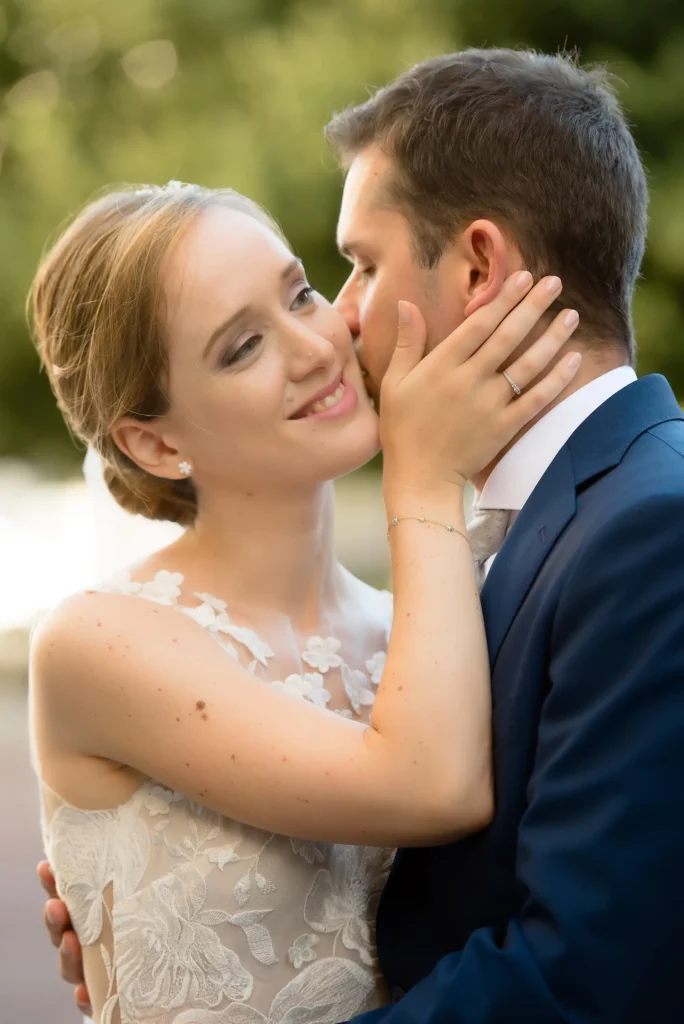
(97, 316)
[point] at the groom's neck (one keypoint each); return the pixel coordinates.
(595, 362)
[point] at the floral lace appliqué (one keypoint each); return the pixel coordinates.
(322, 654)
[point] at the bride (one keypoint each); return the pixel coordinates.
(228, 748)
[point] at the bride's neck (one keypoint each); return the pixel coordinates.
(275, 548)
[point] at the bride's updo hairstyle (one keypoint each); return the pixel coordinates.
(97, 315)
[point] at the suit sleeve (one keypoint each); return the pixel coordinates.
(601, 844)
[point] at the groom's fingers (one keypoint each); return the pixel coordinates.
(70, 960)
(57, 921)
(58, 924)
(83, 1001)
(47, 879)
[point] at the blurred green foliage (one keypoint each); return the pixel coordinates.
(235, 92)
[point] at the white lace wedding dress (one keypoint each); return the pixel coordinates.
(202, 920)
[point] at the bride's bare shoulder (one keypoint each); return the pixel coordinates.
(127, 615)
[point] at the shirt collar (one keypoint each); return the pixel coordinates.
(512, 480)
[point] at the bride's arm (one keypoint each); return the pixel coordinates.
(140, 685)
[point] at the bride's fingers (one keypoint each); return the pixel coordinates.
(524, 409)
(516, 327)
(476, 329)
(527, 367)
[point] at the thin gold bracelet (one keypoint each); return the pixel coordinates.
(433, 522)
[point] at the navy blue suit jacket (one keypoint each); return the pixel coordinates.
(569, 907)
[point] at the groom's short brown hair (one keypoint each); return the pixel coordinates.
(533, 142)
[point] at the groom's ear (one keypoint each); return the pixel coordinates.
(486, 254)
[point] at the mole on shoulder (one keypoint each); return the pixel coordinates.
(200, 705)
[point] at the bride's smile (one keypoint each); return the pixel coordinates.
(329, 399)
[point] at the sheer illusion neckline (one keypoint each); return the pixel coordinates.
(320, 654)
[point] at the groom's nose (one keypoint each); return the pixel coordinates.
(347, 306)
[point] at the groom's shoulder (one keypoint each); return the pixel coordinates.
(642, 495)
(654, 461)
(645, 487)
(671, 435)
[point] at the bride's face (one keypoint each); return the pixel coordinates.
(264, 384)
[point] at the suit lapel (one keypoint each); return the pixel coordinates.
(597, 446)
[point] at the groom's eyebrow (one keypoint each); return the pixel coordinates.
(245, 311)
(354, 249)
(347, 249)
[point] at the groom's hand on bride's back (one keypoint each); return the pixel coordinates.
(444, 416)
(62, 935)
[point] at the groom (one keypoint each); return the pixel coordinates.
(568, 907)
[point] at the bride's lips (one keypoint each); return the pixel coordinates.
(344, 399)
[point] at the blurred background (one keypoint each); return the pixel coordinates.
(231, 92)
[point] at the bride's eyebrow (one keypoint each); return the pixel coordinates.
(240, 314)
(244, 311)
(294, 264)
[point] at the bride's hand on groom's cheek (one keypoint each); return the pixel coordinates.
(58, 924)
(446, 415)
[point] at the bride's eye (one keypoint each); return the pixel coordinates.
(233, 356)
(304, 297)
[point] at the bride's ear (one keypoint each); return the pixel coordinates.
(486, 253)
(145, 446)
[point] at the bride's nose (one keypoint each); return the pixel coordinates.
(307, 351)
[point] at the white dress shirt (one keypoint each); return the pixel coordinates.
(512, 480)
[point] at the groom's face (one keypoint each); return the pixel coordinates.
(378, 242)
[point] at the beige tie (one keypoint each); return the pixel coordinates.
(486, 533)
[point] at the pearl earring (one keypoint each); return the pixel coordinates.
(185, 468)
